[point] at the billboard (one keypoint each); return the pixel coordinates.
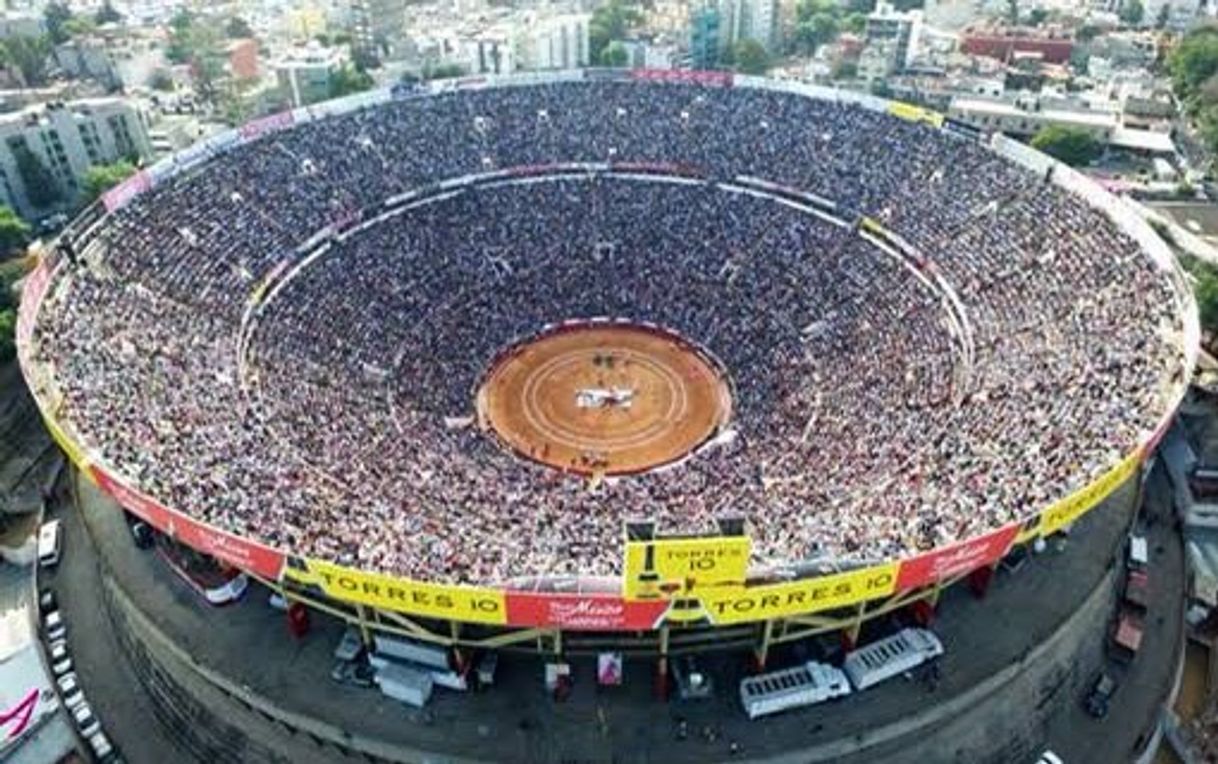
(1067, 510)
(582, 612)
(226, 547)
(908, 111)
(955, 559)
(664, 568)
(459, 603)
(758, 603)
(25, 692)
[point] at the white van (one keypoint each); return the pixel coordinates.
(50, 543)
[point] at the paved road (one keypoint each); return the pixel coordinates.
(105, 674)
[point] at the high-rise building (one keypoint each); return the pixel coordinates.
(748, 20)
(704, 37)
(59, 142)
(377, 30)
(904, 29)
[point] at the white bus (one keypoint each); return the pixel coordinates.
(891, 656)
(50, 543)
(790, 688)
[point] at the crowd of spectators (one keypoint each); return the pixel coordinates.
(862, 430)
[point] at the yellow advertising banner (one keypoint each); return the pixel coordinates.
(666, 568)
(1069, 509)
(915, 113)
(757, 603)
(458, 603)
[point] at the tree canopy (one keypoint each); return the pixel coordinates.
(1069, 144)
(750, 57)
(1205, 289)
(100, 178)
(237, 28)
(29, 55)
(818, 22)
(40, 185)
(1132, 12)
(107, 14)
(349, 79)
(55, 16)
(610, 22)
(14, 232)
(1193, 65)
(614, 54)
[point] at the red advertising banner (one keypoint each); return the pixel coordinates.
(956, 559)
(265, 125)
(582, 612)
(716, 79)
(233, 550)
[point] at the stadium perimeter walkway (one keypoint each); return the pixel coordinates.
(516, 721)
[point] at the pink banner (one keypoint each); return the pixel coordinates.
(260, 127)
(33, 290)
(124, 192)
(716, 79)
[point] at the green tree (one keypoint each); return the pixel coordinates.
(1205, 289)
(349, 79)
(8, 332)
(55, 16)
(615, 55)
(855, 23)
(1132, 12)
(1164, 16)
(1087, 33)
(442, 72)
(14, 232)
(29, 55)
(1192, 63)
(108, 15)
(40, 185)
(100, 178)
(181, 28)
(80, 26)
(1071, 145)
(161, 79)
(1037, 16)
(610, 22)
(750, 57)
(237, 28)
(1013, 12)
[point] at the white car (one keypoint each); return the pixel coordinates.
(1048, 757)
(86, 722)
(59, 668)
(100, 745)
(54, 626)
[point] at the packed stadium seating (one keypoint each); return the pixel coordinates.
(865, 431)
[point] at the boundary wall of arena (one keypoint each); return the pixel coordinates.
(591, 605)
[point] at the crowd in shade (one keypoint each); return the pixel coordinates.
(883, 405)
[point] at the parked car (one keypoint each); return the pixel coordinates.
(47, 601)
(53, 625)
(70, 691)
(86, 722)
(1101, 694)
(102, 749)
(50, 543)
(141, 533)
(61, 666)
(1048, 757)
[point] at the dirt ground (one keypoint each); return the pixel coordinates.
(604, 399)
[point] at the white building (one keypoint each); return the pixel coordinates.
(904, 29)
(521, 41)
(67, 139)
(749, 20)
(555, 42)
(304, 73)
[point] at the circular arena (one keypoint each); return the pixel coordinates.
(469, 335)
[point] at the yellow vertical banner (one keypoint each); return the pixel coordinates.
(674, 567)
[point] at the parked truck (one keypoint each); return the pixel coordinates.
(891, 656)
(408, 685)
(803, 685)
